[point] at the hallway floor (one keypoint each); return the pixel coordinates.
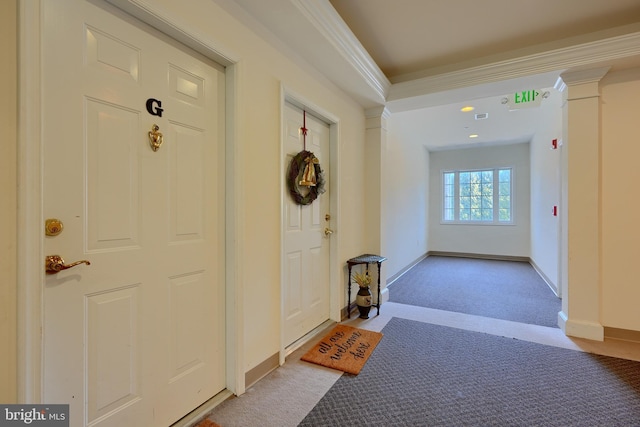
(285, 396)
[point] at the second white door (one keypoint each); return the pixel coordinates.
(306, 253)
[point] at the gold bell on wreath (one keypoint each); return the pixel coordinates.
(309, 176)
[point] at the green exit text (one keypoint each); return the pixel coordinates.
(526, 96)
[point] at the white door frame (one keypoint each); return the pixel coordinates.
(335, 291)
(30, 227)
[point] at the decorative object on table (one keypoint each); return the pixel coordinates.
(363, 297)
(365, 259)
(305, 177)
(344, 348)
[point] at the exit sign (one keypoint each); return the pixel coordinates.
(525, 99)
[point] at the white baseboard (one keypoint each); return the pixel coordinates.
(479, 256)
(396, 276)
(580, 329)
(541, 273)
(384, 295)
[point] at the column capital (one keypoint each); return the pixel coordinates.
(380, 111)
(376, 117)
(574, 78)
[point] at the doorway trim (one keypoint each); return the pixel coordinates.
(287, 95)
(30, 252)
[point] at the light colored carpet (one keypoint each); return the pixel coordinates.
(282, 398)
(508, 290)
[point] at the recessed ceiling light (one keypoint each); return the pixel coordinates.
(467, 108)
(473, 135)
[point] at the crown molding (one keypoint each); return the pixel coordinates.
(322, 15)
(549, 60)
(582, 55)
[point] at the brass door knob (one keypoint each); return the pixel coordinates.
(328, 231)
(55, 263)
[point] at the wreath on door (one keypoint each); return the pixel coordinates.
(305, 178)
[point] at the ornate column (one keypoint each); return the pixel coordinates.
(375, 144)
(580, 206)
(374, 175)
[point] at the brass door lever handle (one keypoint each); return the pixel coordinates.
(55, 263)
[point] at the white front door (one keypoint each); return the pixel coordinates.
(306, 253)
(136, 338)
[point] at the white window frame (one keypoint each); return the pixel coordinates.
(496, 194)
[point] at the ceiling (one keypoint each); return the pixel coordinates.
(430, 57)
(413, 37)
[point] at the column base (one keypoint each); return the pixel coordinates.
(580, 329)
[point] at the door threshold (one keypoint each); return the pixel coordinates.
(308, 337)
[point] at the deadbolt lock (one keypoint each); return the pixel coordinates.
(53, 227)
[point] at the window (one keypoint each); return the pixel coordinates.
(477, 196)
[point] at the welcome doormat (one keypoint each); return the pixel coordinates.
(344, 348)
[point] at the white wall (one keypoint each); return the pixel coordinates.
(545, 189)
(405, 162)
(503, 240)
(620, 202)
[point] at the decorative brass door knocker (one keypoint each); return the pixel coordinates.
(155, 137)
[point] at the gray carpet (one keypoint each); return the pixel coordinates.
(507, 290)
(429, 375)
